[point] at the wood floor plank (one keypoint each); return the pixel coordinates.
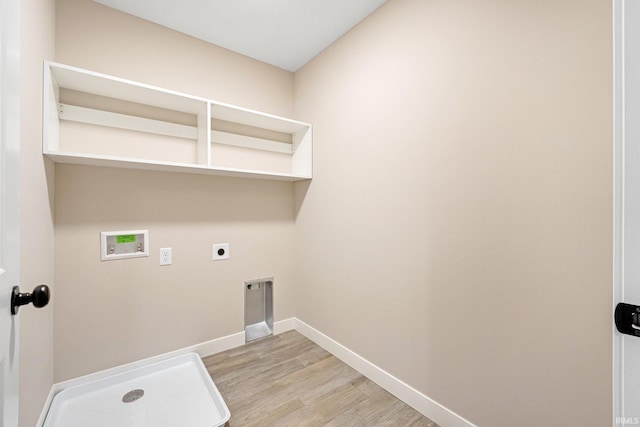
(250, 388)
(266, 418)
(287, 380)
(325, 408)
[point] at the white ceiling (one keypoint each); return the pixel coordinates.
(284, 33)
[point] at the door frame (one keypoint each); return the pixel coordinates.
(618, 179)
(619, 140)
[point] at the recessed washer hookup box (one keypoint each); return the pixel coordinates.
(124, 244)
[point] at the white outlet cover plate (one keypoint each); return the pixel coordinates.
(219, 246)
(165, 256)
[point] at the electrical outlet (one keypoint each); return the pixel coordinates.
(220, 251)
(165, 256)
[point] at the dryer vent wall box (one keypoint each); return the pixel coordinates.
(124, 244)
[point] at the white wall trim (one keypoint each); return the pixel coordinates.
(618, 202)
(412, 397)
(284, 325)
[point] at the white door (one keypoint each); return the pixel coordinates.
(9, 227)
(626, 350)
(9, 230)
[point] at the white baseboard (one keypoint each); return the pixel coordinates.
(208, 348)
(412, 397)
(284, 325)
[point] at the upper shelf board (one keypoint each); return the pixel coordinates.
(60, 76)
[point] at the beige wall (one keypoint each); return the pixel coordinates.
(36, 211)
(457, 232)
(458, 229)
(109, 313)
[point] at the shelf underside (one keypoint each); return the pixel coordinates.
(104, 161)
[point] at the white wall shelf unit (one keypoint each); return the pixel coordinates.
(99, 120)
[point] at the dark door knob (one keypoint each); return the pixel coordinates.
(39, 297)
(627, 317)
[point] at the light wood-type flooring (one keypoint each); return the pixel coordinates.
(287, 380)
